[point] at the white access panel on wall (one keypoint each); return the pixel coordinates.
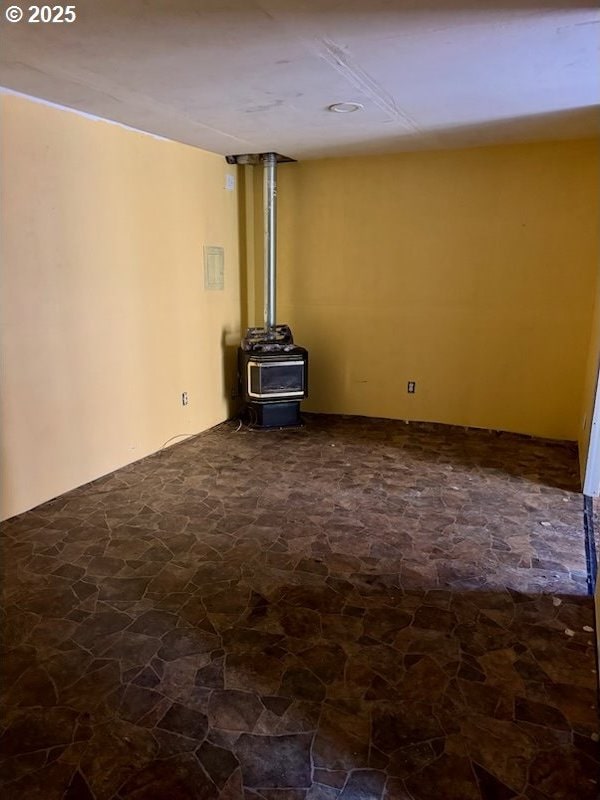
(214, 268)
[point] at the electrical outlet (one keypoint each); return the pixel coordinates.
(411, 387)
(184, 399)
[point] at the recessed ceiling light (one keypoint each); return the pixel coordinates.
(345, 108)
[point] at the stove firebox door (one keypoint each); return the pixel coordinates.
(271, 379)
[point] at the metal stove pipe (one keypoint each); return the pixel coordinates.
(270, 241)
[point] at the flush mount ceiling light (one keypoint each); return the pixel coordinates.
(345, 108)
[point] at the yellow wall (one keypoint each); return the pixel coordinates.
(470, 272)
(105, 320)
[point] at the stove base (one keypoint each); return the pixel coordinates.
(283, 414)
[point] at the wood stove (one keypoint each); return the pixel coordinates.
(272, 369)
(273, 377)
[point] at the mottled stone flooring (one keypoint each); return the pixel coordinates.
(360, 609)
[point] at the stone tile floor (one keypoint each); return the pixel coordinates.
(362, 610)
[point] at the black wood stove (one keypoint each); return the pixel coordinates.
(273, 377)
(272, 370)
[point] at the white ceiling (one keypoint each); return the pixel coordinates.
(241, 76)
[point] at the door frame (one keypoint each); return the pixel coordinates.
(591, 481)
